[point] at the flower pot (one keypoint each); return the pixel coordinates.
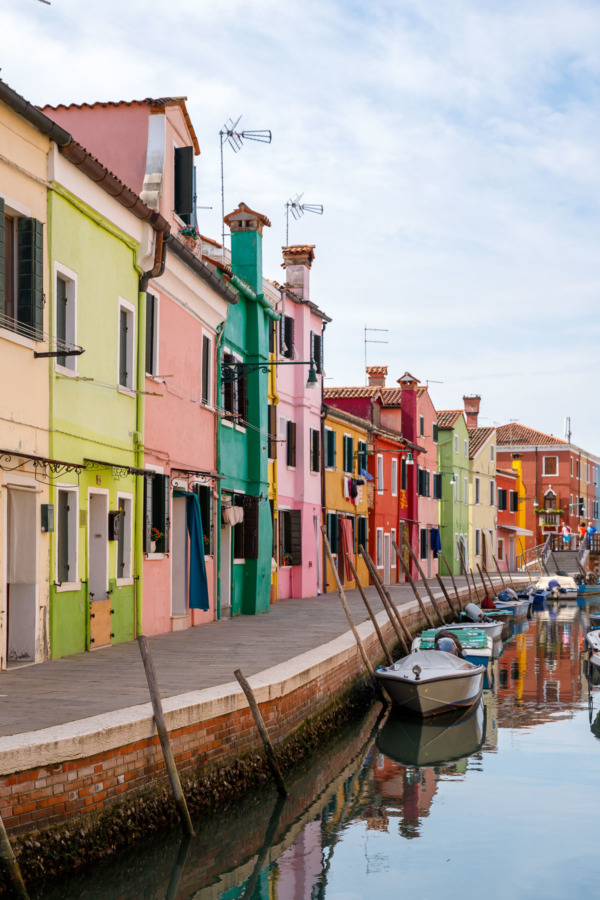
(152, 546)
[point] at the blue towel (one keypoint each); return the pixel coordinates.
(198, 581)
(366, 475)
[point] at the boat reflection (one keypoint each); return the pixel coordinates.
(433, 742)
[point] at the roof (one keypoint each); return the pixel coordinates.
(447, 418)
(377, 370)
(508, 473)
(477, 438)
(352, 392)
(335, 413)
(292, 294)
(244, 210)
(515, 434)
(155, 103)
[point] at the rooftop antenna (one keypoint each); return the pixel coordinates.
(369, 340)
(229, 134)
(568, 428)
(297, 210)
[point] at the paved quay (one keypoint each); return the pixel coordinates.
(64, 690)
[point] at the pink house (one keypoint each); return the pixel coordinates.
(151, 145)
(297, 422)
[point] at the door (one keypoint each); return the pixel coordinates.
(387, 558)
(100, 600)
(429, 555)
(179, 558)
(225, 570)
(512, 560)
(21, 575)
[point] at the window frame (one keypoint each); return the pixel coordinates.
(69, 367)
(330, 445)
(125, 539)
(477, 490)
(546, 474)
(155, 336)
(72, 538)
(206, 370)
(129, 309)
(394, 477)
(379, 548)
(380, 475)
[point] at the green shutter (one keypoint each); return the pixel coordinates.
(161, 498)
(330, 449)
(296, 536)
(147, 512)
(2, 263)
(251, 510)
(123, 347)
(184, 183)
(63, 538)
(150, 307)
(30, 273)
(227, 385)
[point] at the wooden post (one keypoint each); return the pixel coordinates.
(426, 583)
(458, 600)
(262, 730)
(10, 867)
(261, 857)
(498, 571)
(485, 590)
(464, 565)
(177, 872)
(524, 560)
(446, 595)
(163, 734)
(491, 583)
(386, 598)
(342, 597)
(428, 618)
(370, 611)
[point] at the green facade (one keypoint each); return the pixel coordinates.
(94, 424)
(453, 511)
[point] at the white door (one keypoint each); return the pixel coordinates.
(98, 546)
(21, 575)
(225, 570)
(179, 558)
(387, 558)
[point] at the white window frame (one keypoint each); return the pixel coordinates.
(126, 579)
(210, 403)
(380, 473)
(478, 542)
(394, 477)
(73, 529)
(456, 489)
(549, 474)
(492, 492)
(501, 549)
(466, 491)
(379, 548)
(422, 426)
(456, 444)
(128, 388)
(466, 449)
(492, 453)
(156, 341)
(393, 557)
(477, 490)
(71, 279)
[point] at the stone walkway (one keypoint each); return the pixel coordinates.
(75, 687)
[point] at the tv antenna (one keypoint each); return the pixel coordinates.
(369, 340)
(297, 209)
(229, 134)
(568, 428)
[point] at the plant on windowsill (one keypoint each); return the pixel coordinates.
(191, 232)
(155, 535)
(206, 540)
(287, 559)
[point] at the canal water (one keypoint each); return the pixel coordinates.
(503, 801)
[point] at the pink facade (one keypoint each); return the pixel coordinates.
(299, 485)
(426, 419)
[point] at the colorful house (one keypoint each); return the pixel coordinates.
(510, 532)
(453, 466)
(26, 469)
(482, 489)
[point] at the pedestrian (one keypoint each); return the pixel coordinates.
(590, 530)
(566, 535)
(582, 530)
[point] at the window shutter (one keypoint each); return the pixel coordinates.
(362, 531)
(437, 486)
(435, 432)
(287, 334)
(206, 361)
(242, 399)
(312, 346)
(296, 536)
(423, 543)
(150, 301)
(291, 443)
(184, 183)
(30, 285)
(205, 497)
(403, 475)
(63, 537)
(330, 449)
(123, 347)
(272, 431)
(428, 483)
(61, 315)
(160, 510)
(315, 450)
(319, 353)
(332, 531)
(148, 510)
(2, 263)
(251, 527)
(228, 360)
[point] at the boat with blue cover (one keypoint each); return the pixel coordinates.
(430, 682)
(476, 645)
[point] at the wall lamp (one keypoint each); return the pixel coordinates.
(233, 371)
(409, 461)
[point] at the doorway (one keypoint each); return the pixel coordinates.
(21, 575)
(100, 601)
(387, 559)
(225, 571)
(179, 558)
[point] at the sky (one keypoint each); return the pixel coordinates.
(455, 148)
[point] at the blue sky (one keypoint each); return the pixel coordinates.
(454, 146)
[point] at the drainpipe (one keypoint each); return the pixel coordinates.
(323, 482)
(160, 256)
(220, 330)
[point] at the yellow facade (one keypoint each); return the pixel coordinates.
(338, 506)
(483, 510)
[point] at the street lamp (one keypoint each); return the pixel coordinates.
(233, 371)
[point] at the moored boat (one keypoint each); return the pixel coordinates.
(432, 681)
(433, 741)
(592, 640)
(475, 644)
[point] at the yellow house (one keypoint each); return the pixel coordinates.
(346, 507)
(483, 510)
(25, 469)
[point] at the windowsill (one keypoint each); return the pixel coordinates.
(291, 468)
(239, 562)
(67, 586)
(127, 391)
(124, 582)
(227, 423)
(15, 338)
(64, 371)
(155, 555)
(240, 428)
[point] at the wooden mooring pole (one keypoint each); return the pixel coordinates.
(411, 581)
(386, 598)
(426, 583)
(10, 867)
(446, 594)
(262, 730)
(458, 600)
(464, 565)
(163, 734)
(372, 615)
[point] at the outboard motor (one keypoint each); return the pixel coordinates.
(474, 613)
(512, 595)
(449, 642)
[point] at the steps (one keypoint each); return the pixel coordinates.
(566, 560)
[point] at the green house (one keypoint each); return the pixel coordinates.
(453, 463)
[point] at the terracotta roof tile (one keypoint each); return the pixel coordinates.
(515, 434)
(508, 473)
(377, 370)
(351, 392)
(447, 418)
(477, 438)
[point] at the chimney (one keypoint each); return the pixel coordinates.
(377, 375)
(472, 409)
(297, 261)
(408, 385)
(246, 228)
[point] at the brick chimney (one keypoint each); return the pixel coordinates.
(472, 403)
(297, 261)
(377, 375)
(408, 385)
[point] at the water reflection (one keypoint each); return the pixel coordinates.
(352, 814)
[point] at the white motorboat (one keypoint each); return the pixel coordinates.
(432, 681)
(476, 645)
(492, 629)
(592, 640)
(433, 741)
(563, 584)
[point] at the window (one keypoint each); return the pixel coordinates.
(500, 548)
(456, 443)
(157, 497)
(392, 542)
(514, 501)
(550, 465)
(286, 337)
(477, 490)
(329, 448)
(403, 475)
(423, 482)
(245, 533)
(379, 473)
(67, 532)
(394, 478)
(65, 317)
(185, 185)
(422, 426)
(362, 456)
(206, 370)
(437, 485)
(21, 274)
(456, 488)
(151, 334)
(423, 536)
(379, 548)
(477, 542)
(466, 449)
(125, 537)
(316, 351)
(435, 433)
(235, 390)
(204, 493)
(126, 345)
(571, 466)
(332, 531)
(291, 444)
(492, 492)
(492, 453)
(362, 532)
(456, 547)
(290, 537)
(315, 450)
(272, 441)
(348, 454)
(502, 496)
(466, 491)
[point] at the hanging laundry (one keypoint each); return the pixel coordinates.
(346, 487)
(366, 475)
(436, 541)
